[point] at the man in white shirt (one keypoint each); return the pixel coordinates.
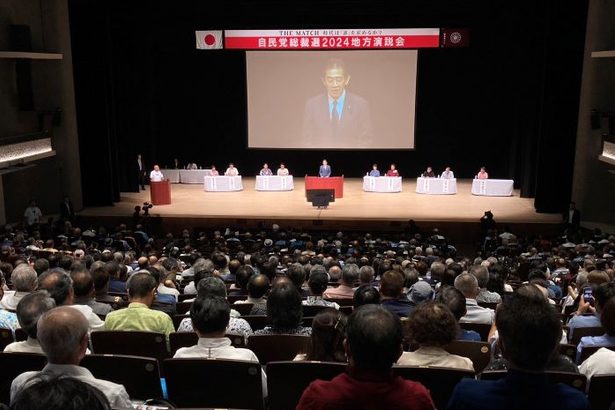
(468, 285)
(29, 311)
(156, 175)
(210, 317)
(63, 335)
(24, 281)
(282, 171)
(447, 174)
(32, 214)
(231, 171)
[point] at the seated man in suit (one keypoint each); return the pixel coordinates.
(325, 169)
(373, 344)
(337, 118)
(530, 331)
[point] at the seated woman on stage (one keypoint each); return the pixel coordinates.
(448, 174)
(392, 172)
(282, 171)
(482, 174)
(429, 173)
(266, 171)
(231, 171)
(214, 171)
(374, 172)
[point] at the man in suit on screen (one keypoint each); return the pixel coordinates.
(337, 118)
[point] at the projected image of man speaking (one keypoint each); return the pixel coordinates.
(337, 118)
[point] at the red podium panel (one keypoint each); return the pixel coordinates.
(335, 183)
(161, 192)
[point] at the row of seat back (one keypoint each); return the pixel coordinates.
(7, 337)
(244, 309)
(580, 332)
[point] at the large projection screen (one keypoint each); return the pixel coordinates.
(331, 99)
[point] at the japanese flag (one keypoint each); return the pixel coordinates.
(209, 40)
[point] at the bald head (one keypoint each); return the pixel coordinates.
(59, 285)
(468, 285)
(63, 335)
(258, 286)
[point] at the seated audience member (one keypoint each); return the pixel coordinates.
(284, 311)
(366, 275)
(447, 174)
(117, 284)
(420, 292)
(335, 273)
(392, 172)
(202, 268)
(166, 292)
(60, 287)
(242, 277)
(456, 302)
(63, 335)
(328, 334)
(29, 310)
(138, 315)
(231, 171)
(318, 282)
(83, 286)
(373, 344)
(374, 172)
(60, 392)
(482, 277)
(265, 171)
(607, 318)
(296, 273)
(282, 171)
(350, 274)
(258, 286)
(428, 173)
(230, 276)
(391, 292)
(468, 285)
(432, 326)
(24, 280)
(214, 171)
(588, 316)
(530, 331)
(482, 174)
(100, 277)
(365, 295)
(8, 320)
(214, 286)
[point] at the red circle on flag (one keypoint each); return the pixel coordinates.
(210, 40)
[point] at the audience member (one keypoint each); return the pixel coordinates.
(391, 291)
(24, 280)
(83, 287)
(482, 277)
(468, 285)
(284, 311)
(258, 286)
(365, 295)
(60, 392)
(456, 302)
(318, 284)
(607, 318)
(29, 310)
(328, 334)
(588, 316)
(350, 274)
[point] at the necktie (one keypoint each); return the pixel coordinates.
(335, 117)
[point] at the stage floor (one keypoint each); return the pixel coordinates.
(192, 202)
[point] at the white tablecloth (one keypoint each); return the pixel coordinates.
(193, 176)
(171, 174)
(436, 186)
(492, 187)
(382, 184)
(274, 183)
(222, 183)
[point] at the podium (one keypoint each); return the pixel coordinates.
(334, 183)
(160, 192)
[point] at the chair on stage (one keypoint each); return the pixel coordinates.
(284, 395)
(14, 364)
(213, 383)
(440, 381)
(139, 375)
(130, 343)
(269, 348)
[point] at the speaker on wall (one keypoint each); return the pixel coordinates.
(20, 40)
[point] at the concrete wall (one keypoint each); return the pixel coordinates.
(52, 84)
(593, 185)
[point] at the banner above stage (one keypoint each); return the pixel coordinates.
(332, 39)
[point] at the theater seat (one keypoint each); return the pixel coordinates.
(576, 380)
(243, 308)
(481, 328)
(440, 381)
(590, 350)
(256, 322)
(130, 343)
(601, 393)
(269, 348)
(14, 364)
(478, 352)
(6, 338)
(568, 350)
(139, 375)
(214, 383)
(284, 394)
(580, 332)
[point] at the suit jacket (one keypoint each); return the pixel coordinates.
(353, 130)
(324, 171)
(66, 210)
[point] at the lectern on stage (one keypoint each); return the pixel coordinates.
(161, 192)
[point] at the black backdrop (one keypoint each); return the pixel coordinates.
(509, 101)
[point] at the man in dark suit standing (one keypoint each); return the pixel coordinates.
(338, 118)
(67, 212)
(572, 218)
(141, 172)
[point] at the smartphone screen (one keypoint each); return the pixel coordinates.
(588, 295)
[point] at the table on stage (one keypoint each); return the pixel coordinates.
(335, 183)
(436, 186)
(274, 183)
(185, 176)
(382, 184)
(492, 187)
(172, 175)
(222, 183)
